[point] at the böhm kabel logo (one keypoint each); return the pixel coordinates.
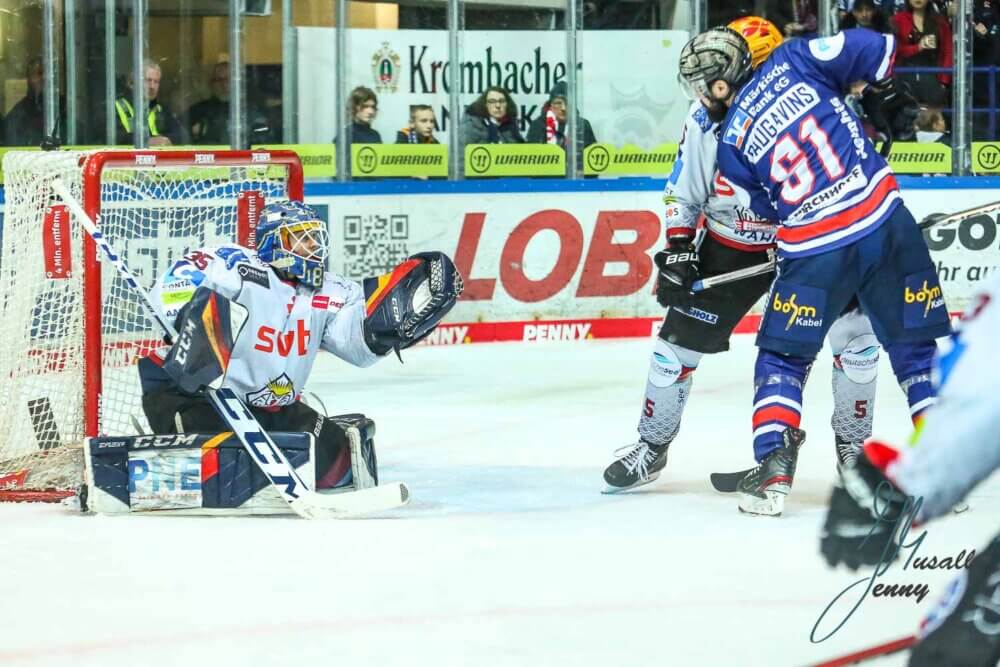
(798, 315)
(929, 297)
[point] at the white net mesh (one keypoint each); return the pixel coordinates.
(151, 215)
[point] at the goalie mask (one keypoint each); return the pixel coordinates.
(293, 240)
(719, 54)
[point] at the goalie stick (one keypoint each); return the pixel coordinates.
(304, 501)
(933, 220)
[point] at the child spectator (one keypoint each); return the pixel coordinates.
(931, 127)
(364, 108)
(420, 129)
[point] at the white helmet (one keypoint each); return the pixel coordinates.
(718, 54)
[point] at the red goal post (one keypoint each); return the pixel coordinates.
(69, 333)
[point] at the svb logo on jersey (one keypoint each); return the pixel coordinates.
(737, 129)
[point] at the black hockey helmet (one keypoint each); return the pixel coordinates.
(718, 54)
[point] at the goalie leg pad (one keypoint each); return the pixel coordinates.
(404, 306)
(667, 389)
(347, 459)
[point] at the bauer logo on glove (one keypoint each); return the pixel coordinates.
(404, 305)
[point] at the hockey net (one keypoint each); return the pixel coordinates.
(70, 330)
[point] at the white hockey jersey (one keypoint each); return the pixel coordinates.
(695, 187)
(287, 324)
(958, 443)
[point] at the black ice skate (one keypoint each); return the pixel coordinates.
(639, 463)
(764, 488)
(847, 453)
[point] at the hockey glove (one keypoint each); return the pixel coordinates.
(867, 513)
(404, 305)
(679, 267)
(891, 110)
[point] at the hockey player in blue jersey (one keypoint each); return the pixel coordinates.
(794, 152)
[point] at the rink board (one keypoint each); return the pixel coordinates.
(568, 265)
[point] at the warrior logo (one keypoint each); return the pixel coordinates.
(278, 392)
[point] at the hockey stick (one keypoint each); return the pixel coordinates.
(934, 220)
(878, 651)
(727, 482)
(269, 458)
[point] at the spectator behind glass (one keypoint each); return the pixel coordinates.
(364, 108)
(550, 126)
(420, 129)
(985, 29)
(161, 124)
(931, 127)
(795, 18)
(924, 40)
(25, 124)
(208, 120)
(864, 14)
(491, 119)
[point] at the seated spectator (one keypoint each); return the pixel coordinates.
(363, 109)
(491, 119)
(420, 129)
(864, 14)
(161, 124)
(25, 124)
(924, 40)
(795, 18)
(931, 127)
(550, 126)
(207, 121)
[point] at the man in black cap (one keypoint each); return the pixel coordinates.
(550, 126)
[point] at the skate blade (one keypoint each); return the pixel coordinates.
(612, 490)
(771, 505)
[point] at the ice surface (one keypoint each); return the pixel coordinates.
(508, 554)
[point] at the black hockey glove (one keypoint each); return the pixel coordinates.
(891, 110)
(867, 513)
(679, 267)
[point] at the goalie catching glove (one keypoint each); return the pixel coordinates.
(404, 305)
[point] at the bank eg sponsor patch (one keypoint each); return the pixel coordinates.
(737, 129)
(923, 301)
(795, 312)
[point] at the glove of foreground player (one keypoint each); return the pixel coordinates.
(679, 267)
(866, 514)
(404, 305)
(891, 110)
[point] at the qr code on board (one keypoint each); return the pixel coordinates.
(374, 244)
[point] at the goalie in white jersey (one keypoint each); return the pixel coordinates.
(259, 319)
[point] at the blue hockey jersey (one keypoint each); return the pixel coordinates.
(794, 151)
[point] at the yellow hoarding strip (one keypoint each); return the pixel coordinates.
(606, 159)
(491, 160)
(399, 160)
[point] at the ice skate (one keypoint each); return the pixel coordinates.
(637, 464)
(763, 490)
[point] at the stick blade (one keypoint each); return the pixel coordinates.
(352, 503)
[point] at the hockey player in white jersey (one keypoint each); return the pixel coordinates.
(955, 447)
(734, 237)
(293, 308)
